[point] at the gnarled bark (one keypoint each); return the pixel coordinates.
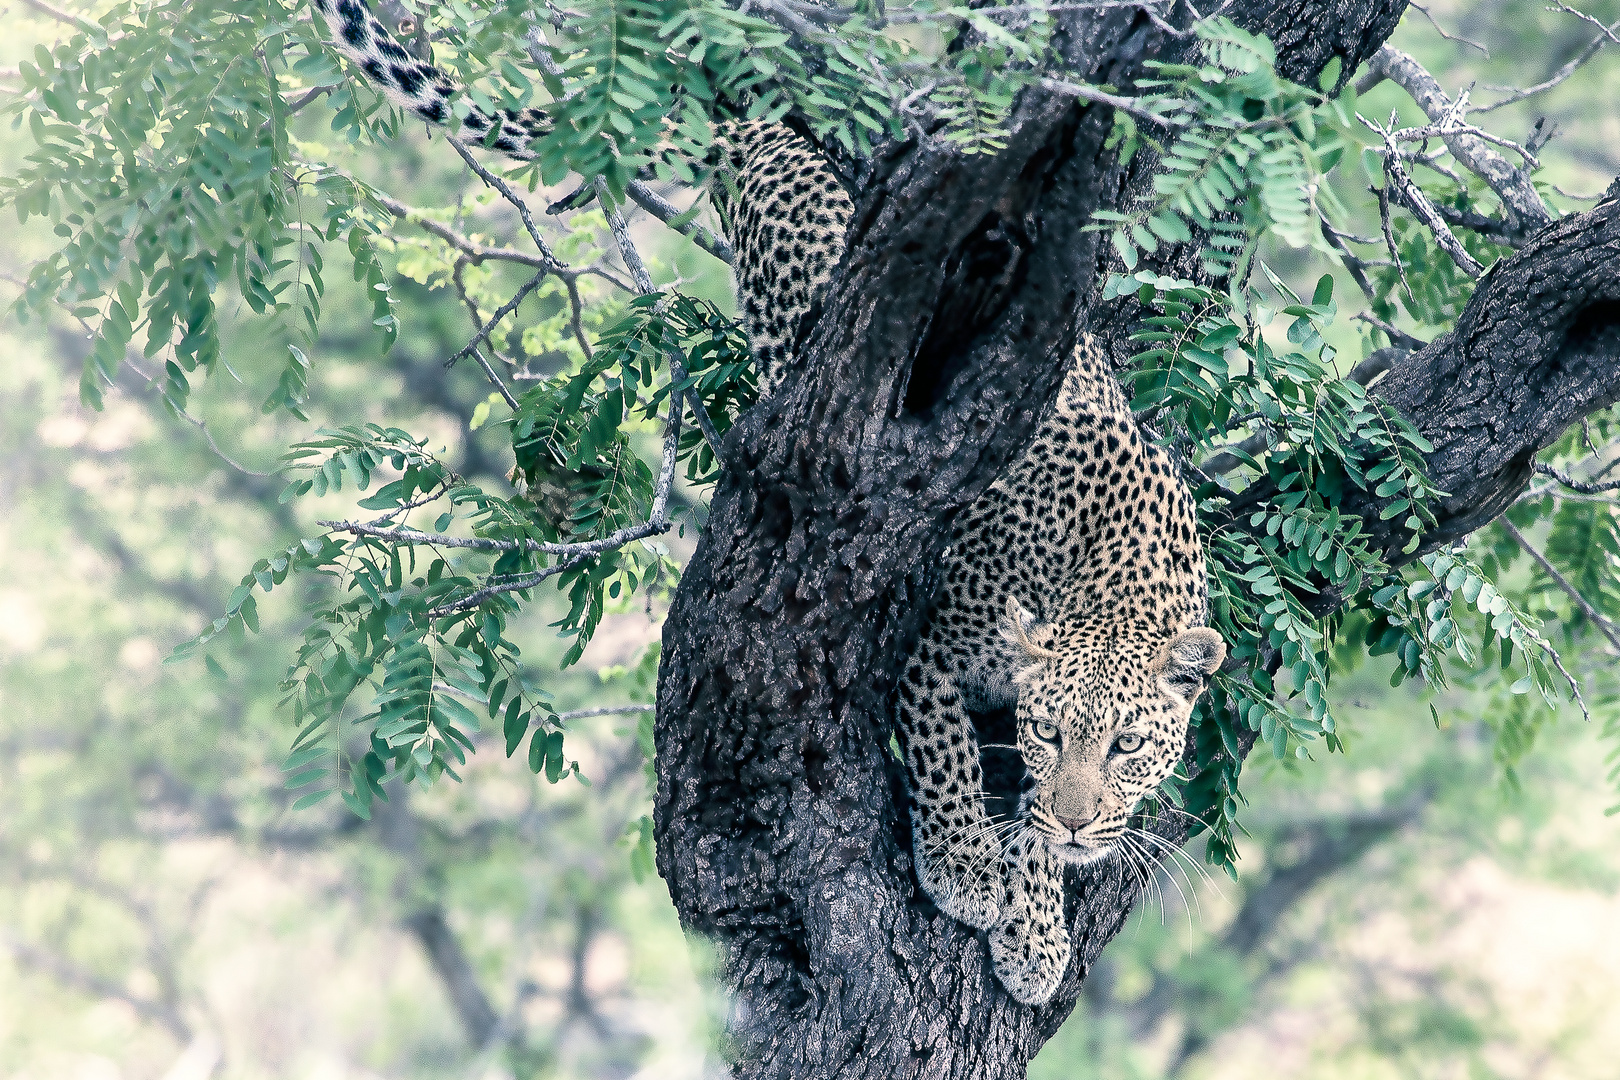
(780, 816)
(1537, 348)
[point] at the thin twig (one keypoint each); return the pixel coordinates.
(1495, 229)
(1578, 197)
(1414, 199)
(1352, 262)
(64, 16)
(644, 282)
(1470, 148)
(612, 542)
(1605, 627)
(1389, 238)
(309, 96)
(1606, 36)
(1449, 37)
(131, 361)
(199, 424)
(403, 535)
(1584, 487)
(1103, 97)
(574, 555)
(500, 386)
(494, 320)
(1606, 31)
(621, 234)
(474, 251)
(1425, 132)
(510, 196)
(1396, 335)
(605, 710)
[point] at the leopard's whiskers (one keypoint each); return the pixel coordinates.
(1174, 866)
(1127, 859)
(1152, 890)
(1175, 853)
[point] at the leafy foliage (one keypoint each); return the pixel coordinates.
(167, 160)
(1427, 284)
(1250, 153)
(429, 639)
(1284, 437)
(636, 83)
(164, 160)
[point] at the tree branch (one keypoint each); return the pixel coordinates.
(665, 211)
(75, 976)
(644, 285)
(475, 252)
(444, 951)
(1536, 349)
(76, 21)
(1604, 626)
(1582, 486)
(1606, 35)
(1512, 185)
(1413, 198)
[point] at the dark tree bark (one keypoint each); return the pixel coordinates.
(781, 822)
(1535, 350)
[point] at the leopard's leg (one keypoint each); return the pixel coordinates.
(954, 842)
(1030, 945)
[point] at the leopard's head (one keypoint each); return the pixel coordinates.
(1101, 723)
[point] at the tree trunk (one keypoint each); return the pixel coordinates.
(781, 822)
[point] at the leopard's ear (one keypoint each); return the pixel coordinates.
(1188, 660)
(1028, 633)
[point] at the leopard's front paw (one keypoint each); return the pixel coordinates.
(1029, 959)
(966, 877)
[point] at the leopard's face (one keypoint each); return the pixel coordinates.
(1101, 724)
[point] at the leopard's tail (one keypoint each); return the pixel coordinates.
(418, 87)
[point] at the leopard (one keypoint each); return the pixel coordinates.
(1073, 590)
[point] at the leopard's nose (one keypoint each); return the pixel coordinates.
(1076, 824)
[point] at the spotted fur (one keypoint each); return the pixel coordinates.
(787, 220)
(1074, 588)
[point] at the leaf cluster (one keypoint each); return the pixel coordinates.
(1250, 153)
(1276, 535)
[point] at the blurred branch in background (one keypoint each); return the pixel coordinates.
(1296, 859)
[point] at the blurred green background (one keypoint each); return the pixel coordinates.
(1407, 910)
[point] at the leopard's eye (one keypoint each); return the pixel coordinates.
(1128, 743)
(1046, 731)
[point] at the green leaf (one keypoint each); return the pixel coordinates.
(1329, 78)
(304, 802)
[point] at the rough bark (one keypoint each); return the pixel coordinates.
(780, 813)
(1536, 349)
